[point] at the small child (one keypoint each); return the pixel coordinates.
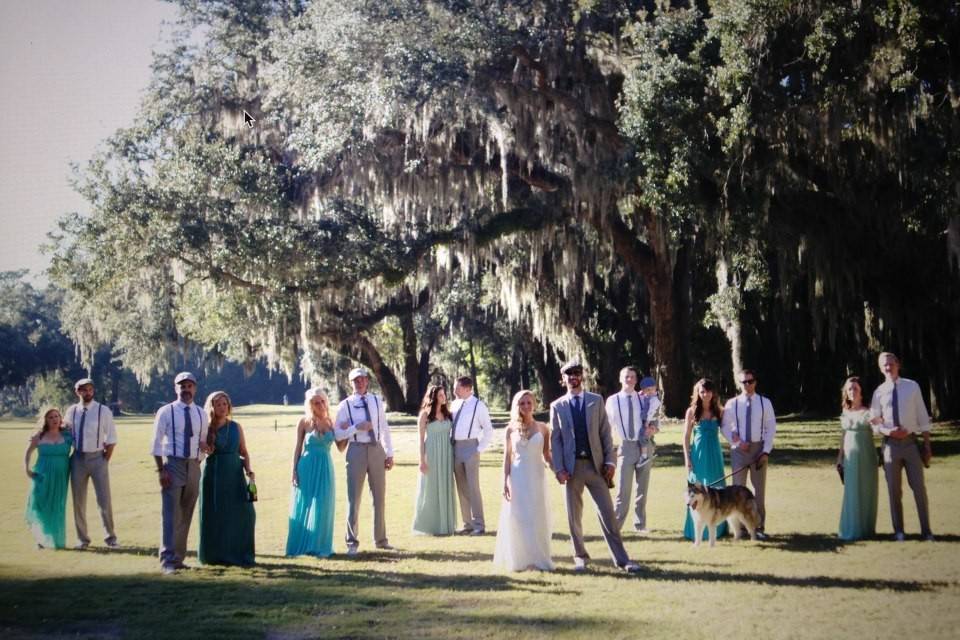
(650, 415)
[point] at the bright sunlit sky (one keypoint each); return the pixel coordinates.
(71, 73)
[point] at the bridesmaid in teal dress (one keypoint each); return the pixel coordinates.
(435, 510)
(704, 460)
(312, 502)
(47, 504)
(227, 517)
(857, 461)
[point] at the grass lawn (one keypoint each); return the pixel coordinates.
(802, 583)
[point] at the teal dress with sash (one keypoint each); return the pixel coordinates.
(46, 513)
(227, 517)
(706, 457)
(312, 502)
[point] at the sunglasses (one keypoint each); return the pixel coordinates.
(748, 381)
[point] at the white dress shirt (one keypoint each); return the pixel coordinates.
(98, 429)
(763, 421)
(169, 430)
(471, 420)
(618, 413)
(351, 411)
(910, 407)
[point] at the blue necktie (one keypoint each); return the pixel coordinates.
(576, 403)
(83, 420)
(749, 419)
(631, 433)
(187, 432)
(896, 407)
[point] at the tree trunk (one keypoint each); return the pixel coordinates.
(389, 385)
(411, 363)
(729, 314)
(548, 374)
(473, 369)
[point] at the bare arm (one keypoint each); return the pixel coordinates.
(26, 457)
(687, 430)
(298, 451)
(547, 455)
(244, 453)
(422, 432)
(507, 462)
(840, 448)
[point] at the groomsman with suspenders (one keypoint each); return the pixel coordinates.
(95, 436)
(180, 437)
(899, 415)
(471, 434)
(749, 425)
(633, 415)
(362, 421)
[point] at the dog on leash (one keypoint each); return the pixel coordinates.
(709, 507)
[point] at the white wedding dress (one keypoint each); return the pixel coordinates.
(523, 536)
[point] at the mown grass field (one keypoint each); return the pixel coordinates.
(802, 583)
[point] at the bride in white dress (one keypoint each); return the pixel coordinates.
(523, 536)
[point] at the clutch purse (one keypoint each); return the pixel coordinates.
(840, 471)
(251, 492)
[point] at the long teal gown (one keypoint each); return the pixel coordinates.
(858, 517)
(707, 460)
(435, 511)
(227, 518)
(312, 502)
(46, 513)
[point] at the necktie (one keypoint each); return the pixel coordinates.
(187, 432)
(576, 403)
(749, 420)
(896, 406)
(83, 420)
(631, 433)
(456, 418)
(366, 412)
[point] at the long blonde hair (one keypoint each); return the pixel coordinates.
(208, 405)
(42, 420)
(515, 419)
(308, 407)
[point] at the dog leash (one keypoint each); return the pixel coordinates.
(736, 471)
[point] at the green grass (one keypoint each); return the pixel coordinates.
(801, 583)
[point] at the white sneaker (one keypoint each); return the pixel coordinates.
(631, 567)
(579, 564)
(351, 551)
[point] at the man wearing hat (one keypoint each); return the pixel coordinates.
(634, 417)
(583, 456)
(180, 436)
(362, 421)
(95, 436)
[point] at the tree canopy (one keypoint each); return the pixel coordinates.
(689, 187)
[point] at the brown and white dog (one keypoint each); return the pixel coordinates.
(709, 507)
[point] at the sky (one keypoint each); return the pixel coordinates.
(71, 73)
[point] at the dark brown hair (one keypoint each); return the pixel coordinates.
(465, 381)
(429, 404)
(844, 401)
(697, 404)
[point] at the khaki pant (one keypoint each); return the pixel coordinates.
(585, 475)
(627, 460)
(466, 469)
(178, 500)
(83, 468)
(366, 461)
(899, 455)
(742, 462)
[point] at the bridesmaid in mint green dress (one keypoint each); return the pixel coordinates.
(435, 510)
(227, 517)
(47, 504)
(312, 502)
(857, 458)
(704, 459)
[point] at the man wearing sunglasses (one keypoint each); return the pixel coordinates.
(749, 425)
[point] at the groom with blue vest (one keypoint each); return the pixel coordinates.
(584, 456)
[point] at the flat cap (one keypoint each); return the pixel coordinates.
(183, 376)
(571, 365)
(359, 372)
(82, 381)
(648, 382)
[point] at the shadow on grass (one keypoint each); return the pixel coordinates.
(344, 604)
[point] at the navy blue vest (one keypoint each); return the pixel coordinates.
(580, 427)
